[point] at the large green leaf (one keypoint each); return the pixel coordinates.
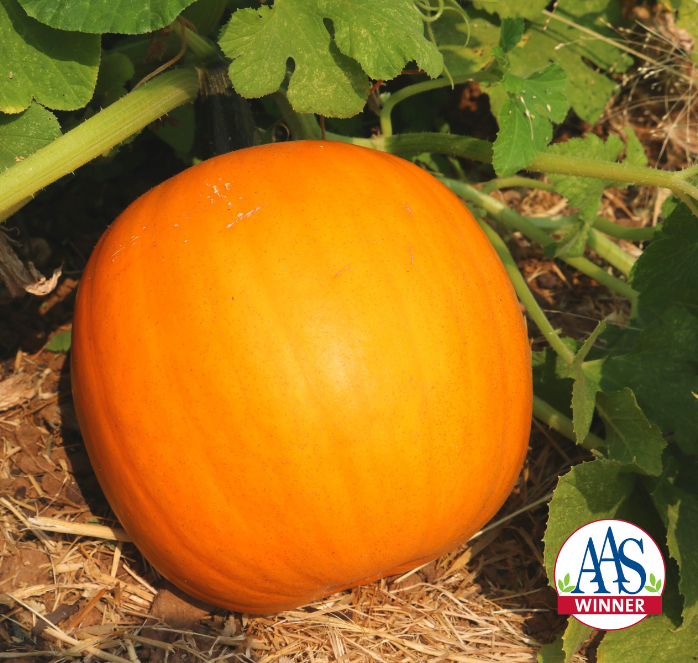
(379, 35)
(97, 16)
(574, 637)
(666, 274)
(565, 645)
(382, 35)
(662, 371)
(25, 133)
(57, 69)
(654, 640)
(552, 653)
(687, 19)
(115, 71)
(584, 193)
(679, 510)
(588, 492)
(551, 377)
(466, 47)
(583, 58)
(631, 439)
(514, 8)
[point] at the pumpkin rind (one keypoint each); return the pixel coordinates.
(297, 367)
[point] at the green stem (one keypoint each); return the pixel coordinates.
(559, 225)
(509, 182)
(689, 172)
(203, 48)
(610, 251)
(547, 162)
(101, 132)
(562, 424)
(303, 126)
(623, 232)
(514, 221)
(525, 294)
(481, 150)
(7, 213)
(418, 88)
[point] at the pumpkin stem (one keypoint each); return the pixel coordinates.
(224, 121)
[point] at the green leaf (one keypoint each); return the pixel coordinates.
(511, 33)
(515, 147)
(635, 152)
(581, 56)
(552, 653)
(114, 72)
(551, 380)
(97, 16)
(567, 644)
(379, 35)
(679, 510)
(585, 387)
(382, 35)
(567, 579)
(650, 589)
(661, 369)
(206, 15)
(560, 585)
(514, 8)
(590, 491)
(574, 637)
(542, 91)
(60, 342)
(25, 133)
(59, 70)
(687, 19)
(654, 640)
(572, 244)
(525, 118)
(658, 586)
(666, 274)
(466, 48)
(178, 131)
(631, 439)
(585, 193)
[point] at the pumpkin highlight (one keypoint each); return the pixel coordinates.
(299, 367)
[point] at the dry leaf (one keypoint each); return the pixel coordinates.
(20, 279)
(16, 390)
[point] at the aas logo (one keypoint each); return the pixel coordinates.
(609, 574)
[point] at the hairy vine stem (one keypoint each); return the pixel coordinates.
(93, 137)
(481, 150)
(525, 294)
(562, 424)
(514, 221)
(511, 182)
(418, 88)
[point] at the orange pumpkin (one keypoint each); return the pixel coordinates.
(298, 368)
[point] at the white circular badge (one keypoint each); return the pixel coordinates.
(609, 574)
